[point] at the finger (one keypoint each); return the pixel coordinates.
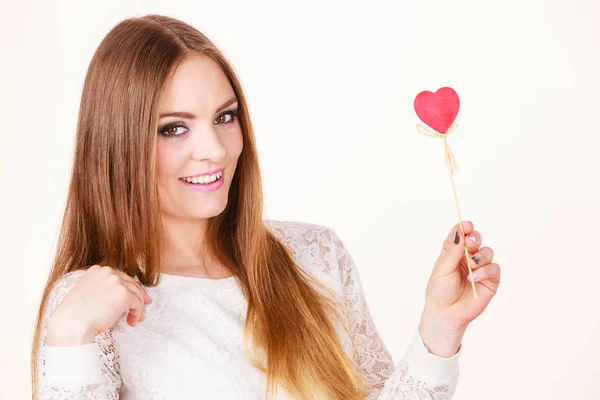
(489, 272)
(473, 241)
(136, 309)
(146, 298)
(131, 290)
(138, 292)
(456, 235)
(484, 256)
(453, 250)
(466, 225)
(134, 289)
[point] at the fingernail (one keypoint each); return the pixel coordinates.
(456, 238)
(475, 276)
(472, 239)
(476, 259)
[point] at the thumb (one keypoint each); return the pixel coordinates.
(453, 250)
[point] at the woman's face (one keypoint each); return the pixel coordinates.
(199, 137)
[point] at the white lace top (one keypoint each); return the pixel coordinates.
(190, 343)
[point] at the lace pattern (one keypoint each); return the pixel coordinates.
(109, 359)
(318, 250)
(386, 379)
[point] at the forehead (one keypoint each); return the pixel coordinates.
(198, 84)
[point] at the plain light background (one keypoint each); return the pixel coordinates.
(331, 86)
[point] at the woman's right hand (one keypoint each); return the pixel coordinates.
(94, 304)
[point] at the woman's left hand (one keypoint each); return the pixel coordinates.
(449, 301)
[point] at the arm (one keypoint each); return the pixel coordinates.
(418, 375)
(87, 371)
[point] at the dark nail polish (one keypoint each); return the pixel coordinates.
(456, 238)
(476, 259)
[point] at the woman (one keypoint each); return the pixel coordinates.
(167, 282)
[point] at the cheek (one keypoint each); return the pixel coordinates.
(167, 162)
(161, 162)
(235, 143)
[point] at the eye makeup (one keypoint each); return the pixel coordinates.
(234, 113)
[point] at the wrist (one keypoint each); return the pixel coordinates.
(68, 334)
(441, 337)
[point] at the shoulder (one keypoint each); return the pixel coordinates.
(299, 236)
(62, 286)
(67, 281)
(302, 234)
(314, 246)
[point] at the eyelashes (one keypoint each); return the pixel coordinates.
(175, 125)
(220, 120)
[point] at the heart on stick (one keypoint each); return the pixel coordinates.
(439, 109)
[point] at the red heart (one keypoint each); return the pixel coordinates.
(439, 109)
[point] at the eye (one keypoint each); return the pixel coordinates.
(227, 117)
(221, 119)
(171, 130)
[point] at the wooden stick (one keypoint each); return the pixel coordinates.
(451, 164)
(451, 169)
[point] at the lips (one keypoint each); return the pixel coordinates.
(205, 180)
(208, 187)
(214, 171)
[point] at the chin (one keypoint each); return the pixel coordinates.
(208, 211)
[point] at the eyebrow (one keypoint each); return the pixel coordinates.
(189, 115)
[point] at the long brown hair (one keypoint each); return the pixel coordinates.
(112, 213)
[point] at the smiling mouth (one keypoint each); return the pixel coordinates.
(204, 180)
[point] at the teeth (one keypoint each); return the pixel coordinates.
(203, 180)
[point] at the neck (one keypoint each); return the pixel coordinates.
(184, 251)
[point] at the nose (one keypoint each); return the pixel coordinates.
(207, 145)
